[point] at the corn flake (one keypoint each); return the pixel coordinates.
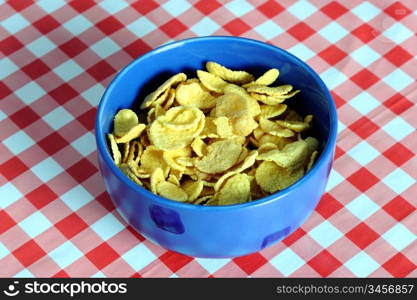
(219, 139)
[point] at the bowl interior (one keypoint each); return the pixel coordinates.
(145, 74)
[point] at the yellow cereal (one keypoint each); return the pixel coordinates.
(194, 95)
(232, 105)
(271, 111)
(117, 156)
(235, 190)
(169, 101)
(133, 133)
(211, 82)
(273, 128)
(294, 125)
(157, 176)
(224, 128)
(267, 78)
(124, 120)
(193, 188)
(199, 147)
(221, 155)
(126, 170)
(270, 91)
(271, 177)
(292, 155)
(244, 125)
(171, 191)
(152, 159)
(219, 139)
(126, 151)
(171, 82)
(312, 160)
(239, 77)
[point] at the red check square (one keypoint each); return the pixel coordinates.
(52, 143)
(24, 117)
(362, 235)
(36, 69)
(137, 48)
(101, 71)
(4, 90)
(363, 179)
(41, 196)
(365, 33)
(397, 11)
(13, 168)
(81, 170)
(87, 119)
(71, 225)
(6, 222)
(105, 201)
(109, 25)
(399, 265)
(102, 255)
(398, 104)
(207, 7)
(301, 31)
(364, 127)
(250, 263)
(364, 79)
(328, 205)
(81, 5)
(9, 45)
(63, 93)
(19, 5)
(324, 263)
(175, 261)
(46, 24)
(173, 28)
(334, 10)
(295, 236)
(270, 8)
(61, 274)
(28, 253)
(398, 154)
(398, 56)
(236, 27)
(332, 54)
(144, 6)
(339, 101)
(73, 47)
(399, 208)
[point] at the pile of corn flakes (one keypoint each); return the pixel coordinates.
(219, 139)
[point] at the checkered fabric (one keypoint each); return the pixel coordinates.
(57, 57)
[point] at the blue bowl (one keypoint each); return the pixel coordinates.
(217, 231)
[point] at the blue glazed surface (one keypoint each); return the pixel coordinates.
(218, 231)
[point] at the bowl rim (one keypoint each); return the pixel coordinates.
(106, 156)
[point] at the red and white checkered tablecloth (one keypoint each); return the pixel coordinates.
(57, 57)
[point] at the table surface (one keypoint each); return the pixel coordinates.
(57, 57)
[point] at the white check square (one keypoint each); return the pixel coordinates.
(9, 194)
(287, 262)
(58, 118)
(47, 169)
(139, 257)
(399, 236)
(205, 26)
(35, 224)
(77, 197)
(41, 46)
(107, 226)
(30, 92)
(68, 70)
